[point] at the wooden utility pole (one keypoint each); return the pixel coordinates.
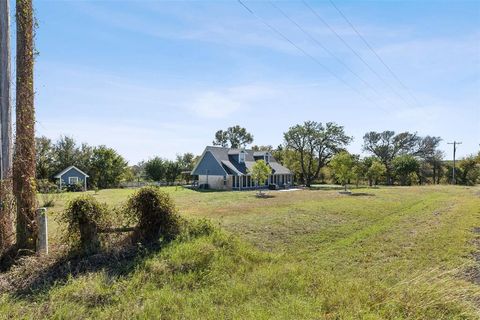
(6, 226)
(24, 157)
(455, 143)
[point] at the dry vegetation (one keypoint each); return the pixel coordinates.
(394, 253)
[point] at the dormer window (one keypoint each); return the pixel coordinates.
(266, 157)
(241, 157)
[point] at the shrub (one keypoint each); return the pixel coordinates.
(155, 215)
(83, 215)
(49, 192)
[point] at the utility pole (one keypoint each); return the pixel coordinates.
(6, 150)
(455, 143)
(5, 92)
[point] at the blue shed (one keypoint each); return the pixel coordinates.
(72, 176)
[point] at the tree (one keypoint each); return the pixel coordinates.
(314, 145)
(268, 148)
(138, 170)
(386, 146)
(172, 171)
(260, 172)
(376, 171)
(234, 137)
(404, 166)
(468, 171)
(68, 153)
(45, 158)
(155, 169)
(342, 166)
(429, 153)
(186, 162)
(24, 158)
(107, 168)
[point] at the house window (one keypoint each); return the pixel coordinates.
(241, 157)
(224, 180)
(267, 158)
(72, 180)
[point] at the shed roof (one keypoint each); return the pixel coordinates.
(59, 175)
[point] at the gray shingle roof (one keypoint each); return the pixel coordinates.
(229, 160)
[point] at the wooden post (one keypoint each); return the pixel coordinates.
(42, 221)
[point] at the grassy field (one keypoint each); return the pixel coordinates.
(387, 253)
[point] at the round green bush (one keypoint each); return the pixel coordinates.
(155, 215)
(83, 215)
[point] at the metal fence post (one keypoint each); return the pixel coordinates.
(42, 241)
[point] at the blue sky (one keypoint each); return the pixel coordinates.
(159, 78)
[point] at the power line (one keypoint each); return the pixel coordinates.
(325, 48)
(374, 52)
(355, 52)
(305, 52)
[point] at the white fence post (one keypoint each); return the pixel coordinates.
(42, 241)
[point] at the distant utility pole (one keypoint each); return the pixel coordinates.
(5, 92)
(455, 143)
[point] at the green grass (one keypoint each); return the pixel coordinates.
(388, 253)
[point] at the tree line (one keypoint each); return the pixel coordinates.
(105, 166)
(403, 158)
(308, 150)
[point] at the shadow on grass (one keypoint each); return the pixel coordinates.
(209, 190)
(34, 274)
(264, 196)
(362, 194)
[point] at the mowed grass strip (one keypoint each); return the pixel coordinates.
(390, 253)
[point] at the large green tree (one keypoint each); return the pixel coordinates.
(375, 172)
(403, 167)
(45, 158)
(314, 145)
(433, 157)
(172, 171)
(67, 153)
(106, 167)
(233, 137)
(387, 145)
(155, 169)
(342, 167)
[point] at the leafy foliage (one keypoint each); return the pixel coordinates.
(83, 215)
(314, 145)
(404, 166)
(260, 172)
(342, 165)
(233, 137)
(155, 169)
(49, 193)
(106, 167)
(376, 171)
(154, 214)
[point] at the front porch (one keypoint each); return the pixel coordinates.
(245, 182)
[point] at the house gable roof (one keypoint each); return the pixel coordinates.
(59, 175)
(228, 159)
